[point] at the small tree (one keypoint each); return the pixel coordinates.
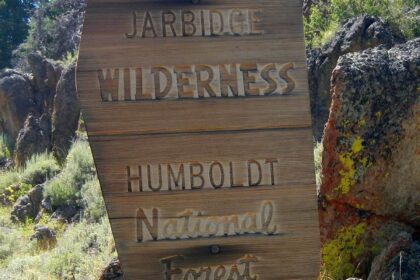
(14, 17)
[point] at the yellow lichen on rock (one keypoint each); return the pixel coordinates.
(338, 254)
(349, 171)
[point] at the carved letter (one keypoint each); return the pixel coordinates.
(198, 175)
(228, 80)
(220, 272)
(207, 271)
(222, 175)
(167, 262)
(183, 81)
(232, 177)
(272, 162)
(186, 22)
(234, 273)
(204, 84)
(148, 25)
(247, 69)
(134, 27)
(258, 165)
(149, 178)
(152, 228)
(247, 260)
(108, 83)
(168, 22)
(191, 272)
(254, 18)
(179, 179)
(134, 180)
(159, 93)
(213, 30)
(265, 74)
(237, 22)
(267, 211)
(283, 73)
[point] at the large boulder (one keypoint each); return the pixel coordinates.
(371, 160)
(355, 35)
(28, 206)
(34, 138)
(17, 100)
(113, 271)
(46, 238)
(66, 114)
(66, 214)
(399, 260)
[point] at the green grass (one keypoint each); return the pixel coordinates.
(39, 169)
(325, 19)
(4, 148)
(83, 249)
(81, 253)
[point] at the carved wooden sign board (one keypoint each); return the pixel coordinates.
(198, 118)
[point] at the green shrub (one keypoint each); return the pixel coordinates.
(325, 18)
(9, 178)
(82, 252)
(92, 200)
(11, 194)
(40, 168)
(80, 163)
(78, 169)
(36, 171)
(60, 192)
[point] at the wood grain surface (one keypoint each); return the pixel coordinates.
(198, 118)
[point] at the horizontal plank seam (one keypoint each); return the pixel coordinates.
(301, 184)
(94, 137)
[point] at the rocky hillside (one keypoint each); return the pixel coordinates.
(364, 77)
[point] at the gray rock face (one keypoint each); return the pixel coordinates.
(66, 114)
(16, 102)
(400, 260)
(45, 237)
(34, 138)
(113, 271)
(46, 74)
(28, 206)
(355, 35)
(66, 214)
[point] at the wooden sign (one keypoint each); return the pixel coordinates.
(198, 117)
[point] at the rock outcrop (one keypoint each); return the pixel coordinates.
(355, 35)
(33, 138)
(17, 100)
(113, 271)
(66, 214)
(371, 159)
(399, 260)
(66, 114)
(46, 74)
(28, 206)
(46, 238)
(39, 111)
